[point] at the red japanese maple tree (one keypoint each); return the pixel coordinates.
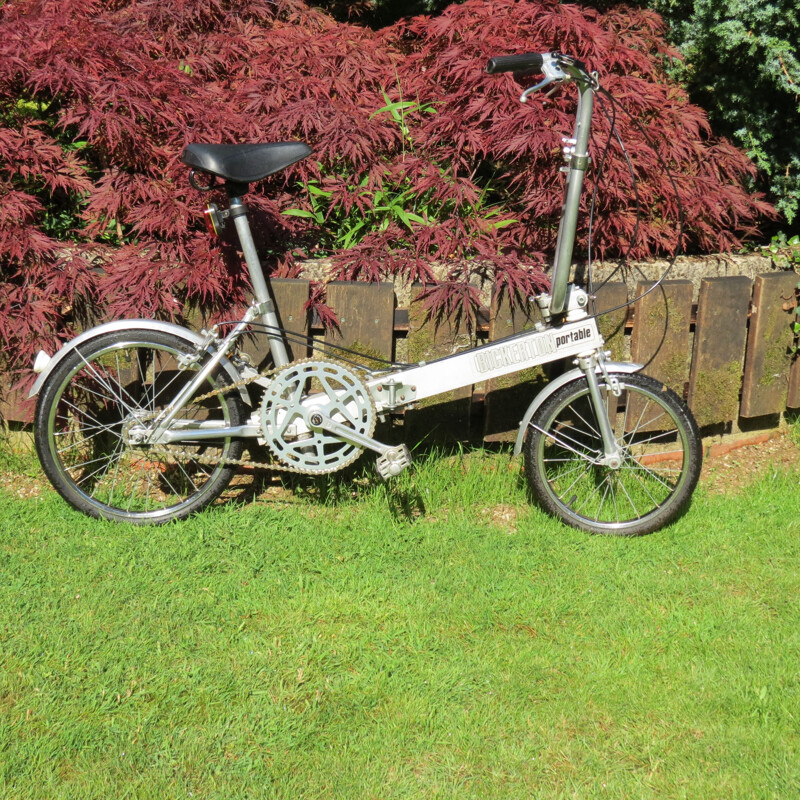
(424, 167)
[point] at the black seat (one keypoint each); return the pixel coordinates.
(243, 163)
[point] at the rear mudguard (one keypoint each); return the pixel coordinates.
(554, 386)
(130, 324)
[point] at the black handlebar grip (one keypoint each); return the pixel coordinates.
(526, 62)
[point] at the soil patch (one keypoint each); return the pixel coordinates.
(746, 461)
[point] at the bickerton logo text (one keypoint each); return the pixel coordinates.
(528, 349)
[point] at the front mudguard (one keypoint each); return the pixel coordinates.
(129, 324)
(554, 386)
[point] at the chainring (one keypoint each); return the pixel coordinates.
(299, 390)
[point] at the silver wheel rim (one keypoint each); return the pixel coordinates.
(119, 479)
(653, 471)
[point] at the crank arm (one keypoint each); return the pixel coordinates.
(391, 460)
(319, 420)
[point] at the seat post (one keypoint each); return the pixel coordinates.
(261, 290)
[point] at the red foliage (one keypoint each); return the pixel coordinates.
(485, 122)
(136, 81)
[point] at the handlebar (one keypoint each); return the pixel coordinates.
(527, 62)
(555, 67)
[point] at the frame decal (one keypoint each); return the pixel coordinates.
(494, 360)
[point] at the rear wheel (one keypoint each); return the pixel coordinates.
(88, 407)
(661, 457)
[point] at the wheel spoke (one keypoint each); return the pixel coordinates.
(590, 496)
(564, 472)
(80, 413)
(115, 477)
(627, 411)
(575, 482)
(80, 443)
(105, 463)
(114, 382)
(133, 402)
(654, 438)
(646, 489)
(154, 396)
(636, 468)
(597, 434)
(102, 382)
(188, 477)
(570, 478)
(553, 438)
(633, 505)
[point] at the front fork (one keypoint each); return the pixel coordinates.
(612, 452)
(576, 301)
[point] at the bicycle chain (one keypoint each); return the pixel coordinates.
(276, 465)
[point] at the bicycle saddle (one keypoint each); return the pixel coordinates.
(243, 163)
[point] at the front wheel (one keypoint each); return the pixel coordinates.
(97, 394)
(660, 447)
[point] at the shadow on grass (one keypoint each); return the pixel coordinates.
(404, 495)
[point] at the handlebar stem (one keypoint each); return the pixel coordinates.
(578, 160)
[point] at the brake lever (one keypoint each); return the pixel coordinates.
(552, 72)
(529, 91)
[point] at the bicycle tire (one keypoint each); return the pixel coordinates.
(661, 457)
(104, 385)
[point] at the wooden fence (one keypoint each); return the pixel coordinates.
(728, 352)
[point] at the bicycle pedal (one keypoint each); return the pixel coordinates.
(393, 461)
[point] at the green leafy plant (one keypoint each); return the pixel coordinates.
(741, 65)
(390, 196)
(785, 252)
(373, 211)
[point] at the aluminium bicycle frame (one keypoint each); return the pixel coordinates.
(568, 331)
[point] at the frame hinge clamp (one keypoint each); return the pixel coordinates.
(392, 393)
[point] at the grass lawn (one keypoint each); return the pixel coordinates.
(434, 638)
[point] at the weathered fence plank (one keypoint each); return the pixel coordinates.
(768, 358)
(506, 398)
(793, 395)
(612, 324)
(291, 296)
(719, 343)
(660, 337)
(660, 341)
(366, 317)
(446, 417)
